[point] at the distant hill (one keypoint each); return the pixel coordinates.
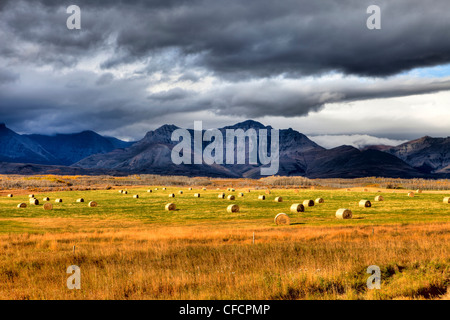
(427, 154)
(90, 153)
(71, 148)
(60, 149)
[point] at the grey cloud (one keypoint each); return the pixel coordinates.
(253, 38)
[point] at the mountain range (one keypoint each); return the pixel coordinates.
(90, 153)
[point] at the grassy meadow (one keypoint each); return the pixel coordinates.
(131, 248)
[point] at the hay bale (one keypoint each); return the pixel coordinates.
(278, 199)
(221, 196)
(232, 190)
(267, 191)
(308, 203)
(447, 200)
(46, 199)
(48, 206)
(411, 194)
(365, 204)
(344, 214)
(297, 207)
(136, 196)
(204, 189)
(365, 190)
(282, 219)
(58, 200)
(228, 189)
(10, 195)
(170, 206)
(233, 208)
(189, 188)
(149, 190)
(34, 201)
(164, 189)
(379, 198)
(197, 195)
(80, 200)
(230, 197)
(22, 205)
(262, 197)
(418, 191)
(180, 192)
(120, 191)
(92, 204)
(125, 192)
(172, 195)
(156, 189)
(240, 194)
(320, 200)
(31, 196)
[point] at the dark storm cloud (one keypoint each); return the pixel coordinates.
(252, 49)
(252, 38)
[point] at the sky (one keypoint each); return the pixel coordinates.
(313, 66)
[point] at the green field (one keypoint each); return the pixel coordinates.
(397, 208)
(131, 248)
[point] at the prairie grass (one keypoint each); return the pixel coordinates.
(133, 249)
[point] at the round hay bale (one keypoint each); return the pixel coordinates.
(221, 196)
(80, 200)
(10, 195)
(58, 200)
(230, 197)
(240, 194)
(267, 191)
(156, 189)
(197, 195)
(344, 214)
(418, 191)
(228, 189)
(379, 198)
(170, 206)
(22, 205)
(46, 199)
(204, 189)
(233, 208)
(232, 190)
(136, 196)
(189, 188)
(149, 190)
(31, 196)
(125, 192)
(92, 204)
(447, 200)
(48, 206)
(365, 204)
(164, 189)
(34, 201)
(180, 192)
(262, 197)
(297, 207)
(282, 219)
(365, 190)
(308, 203)
(172, 195)
(120, 191)
(278, 199)
(411, 194)
(320, 200)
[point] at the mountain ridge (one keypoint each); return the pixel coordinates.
(88, 151)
